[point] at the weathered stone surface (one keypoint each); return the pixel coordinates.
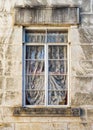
(73, 36)
(41, 126)
(16, 36)
(12, 98)
(81, 88)
(90, 114)
(9, 4)
(84, 4)
(81, 60)
(13, 68)
(79, 126)
(87, 19)
(14, 83)
(86, 35)
(82, 99)
(13, 51)
(65, 112)
(28, 16)
(83, 84)
(5, 126)
(1, 51)
(1, 67)
(2, 83)
(1, 98)
(6, 20)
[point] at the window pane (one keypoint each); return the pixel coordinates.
(57, 52)
(35, 97)
(57, 97)
(56, 37)
(35, 67)
(34, 52)
(35, 90)
(57, 82)
(57, 67)
(57, 90)
(32, 37)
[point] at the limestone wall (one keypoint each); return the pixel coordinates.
(81, 71)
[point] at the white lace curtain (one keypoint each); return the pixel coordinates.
(57, 73)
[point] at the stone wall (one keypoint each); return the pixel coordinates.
(81, 72)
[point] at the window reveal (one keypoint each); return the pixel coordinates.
(46, 68)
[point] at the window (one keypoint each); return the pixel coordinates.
(45, 76)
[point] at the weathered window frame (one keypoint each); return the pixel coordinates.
(68, 65)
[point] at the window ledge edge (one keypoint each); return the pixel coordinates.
(47, 112)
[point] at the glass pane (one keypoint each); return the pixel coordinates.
(57, 82)
(57, 98)
(57, 37)
(34, 52)
(57, 90)
(35, 90)
(34, 67)
(57, 52)
(35, 82)
(57, 67)
(35, 97)
(37, 37)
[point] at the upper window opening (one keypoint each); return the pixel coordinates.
(41, 37)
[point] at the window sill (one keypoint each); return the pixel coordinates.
(47, 112)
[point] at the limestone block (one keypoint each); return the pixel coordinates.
(41, 126)
(81, 60)
(15, 120)
(6, 20)
(13, 62)
(13, 68)
(7, 6)
(44, 2)
(84, 4)
(80, 85)
(11, 35)
(1, 98)
(1, 51)
(5, 35)
(14, 83)
(58, 126)
(16, 36)
(73, 35)
(5, 126)
(90, 114)
(13, 52)
(86, 35)
(58, 120)
(1, 114)
(82, 68)
(8, 111)
(82, 99)
(87, 19)
(30, 16)
(79, 126)
(13, 98)
(2, 80)
(83, 84)
(25, 126)
(65, 119)
(1, 67)
(41, 119)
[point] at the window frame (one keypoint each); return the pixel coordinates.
(46, 68)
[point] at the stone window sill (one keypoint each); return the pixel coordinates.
(43, 112)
